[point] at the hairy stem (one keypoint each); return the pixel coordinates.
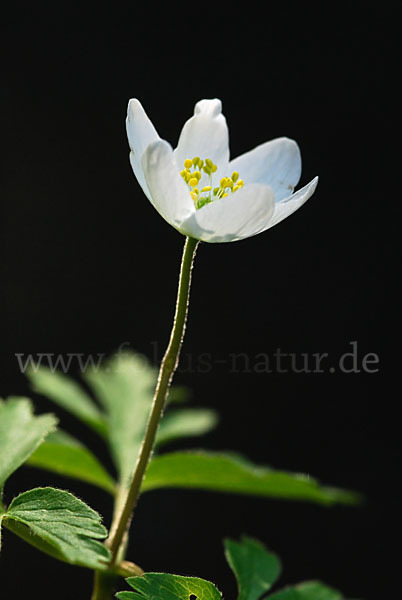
(168, 366)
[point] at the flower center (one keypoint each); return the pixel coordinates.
(196, 170)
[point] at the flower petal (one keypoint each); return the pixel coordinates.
(205, 135)
(140, 133)
(235, 217)
(289, 205)
(169, 193)
(276, 163)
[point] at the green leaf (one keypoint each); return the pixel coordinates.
(63, 454)
(221, 472)
(311, 590)
(59, 524)
(67, 393)
(163, 586)
(188, 422)
(178, 394)
(124, 386)
(21, 432)
(255, 568)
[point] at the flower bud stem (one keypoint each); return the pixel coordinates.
(167, 369)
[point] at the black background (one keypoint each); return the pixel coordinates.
(88, 265)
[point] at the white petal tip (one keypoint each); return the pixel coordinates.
(314, 183)
(211, 107)
(132, 107)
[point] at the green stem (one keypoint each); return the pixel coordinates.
(104, 585)
(105, 581)
(168, 366)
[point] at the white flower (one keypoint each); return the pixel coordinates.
(200, 191)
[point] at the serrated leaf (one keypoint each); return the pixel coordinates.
(188, 422)
(59, 524)
(222, 472)
(21, 432)
(69, 395)
(310, 590)
(63, 454)
(124, 386)
(255, 568)
(163, 586)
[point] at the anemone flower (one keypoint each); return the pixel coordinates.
(204, 194)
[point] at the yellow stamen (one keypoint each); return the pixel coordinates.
(205, 168)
